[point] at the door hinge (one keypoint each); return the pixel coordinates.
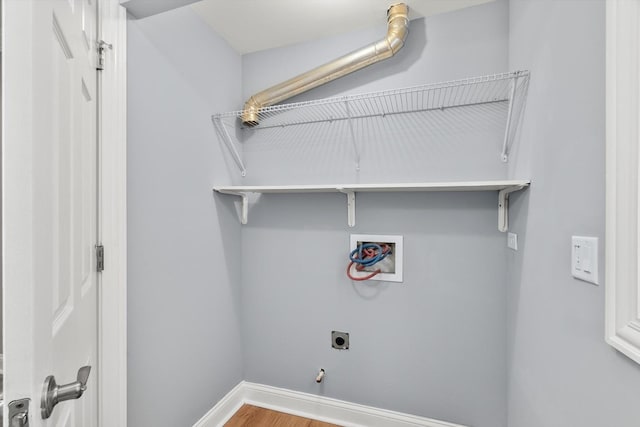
(102, 48)
(99, 258)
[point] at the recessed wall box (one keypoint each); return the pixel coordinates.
(391, 266)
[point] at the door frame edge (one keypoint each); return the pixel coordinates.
(112, 320)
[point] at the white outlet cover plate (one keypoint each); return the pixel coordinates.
(584, 258)
(512, 241)
(382, 238)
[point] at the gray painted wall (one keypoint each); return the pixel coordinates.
(562, 373)
(184, 247)
(434, 345)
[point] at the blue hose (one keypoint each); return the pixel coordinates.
(369, 261)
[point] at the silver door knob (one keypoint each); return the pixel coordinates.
(52, 393)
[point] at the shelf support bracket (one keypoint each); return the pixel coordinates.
(503, 206)
(244, 208)
(353, 136)
(351, 206)
(507, 131)
(224, 133)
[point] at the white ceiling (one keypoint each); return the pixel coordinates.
(142, 8)
(254, 25)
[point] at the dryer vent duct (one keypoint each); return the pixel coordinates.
(397, 30)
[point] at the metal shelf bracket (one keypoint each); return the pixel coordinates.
(503, 206)
(244, 208)
(354, 144)
(512, 118)
(224, 133)
(351, 206)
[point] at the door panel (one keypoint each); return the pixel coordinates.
(59, 170)
(55, 141)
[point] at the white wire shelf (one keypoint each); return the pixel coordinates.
(400, 108)
(504, 188)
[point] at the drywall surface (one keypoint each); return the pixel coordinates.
(184, 309)
(562, 373)
(434, 345)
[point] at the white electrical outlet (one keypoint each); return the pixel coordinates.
(584, 258)
(512, 241)
(391, 266)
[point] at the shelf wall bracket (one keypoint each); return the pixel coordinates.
(507, 131)
(244, 208)
(353, 136)
(503, 206)
(224, 133)
(351, 206)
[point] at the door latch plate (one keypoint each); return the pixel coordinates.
(19, 413)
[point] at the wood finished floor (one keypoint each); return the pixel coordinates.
(249, 415)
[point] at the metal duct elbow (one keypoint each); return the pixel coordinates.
(397, 30)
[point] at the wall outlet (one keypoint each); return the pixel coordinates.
(340, 340)
(391, 266)
(512, 241)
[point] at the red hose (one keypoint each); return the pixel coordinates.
(378, 271)
(368, 253)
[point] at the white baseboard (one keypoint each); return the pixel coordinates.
(224, 409)
(310, 406)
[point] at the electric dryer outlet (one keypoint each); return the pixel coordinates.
(391, 266)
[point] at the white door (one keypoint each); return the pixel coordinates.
(50, 223)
